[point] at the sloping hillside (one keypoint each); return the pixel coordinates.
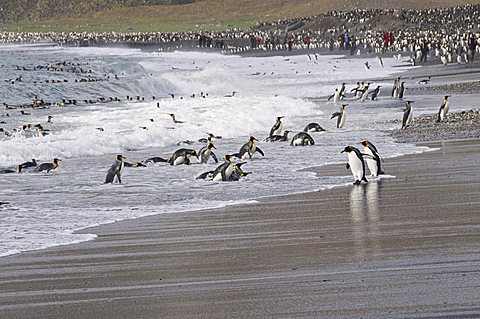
(129, 15)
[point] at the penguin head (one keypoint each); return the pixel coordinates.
(344, 106)
(365, 143)
(120, 157)
(56, 160)
(227, 157)
(446, 97)
(347, 149)
(279, 118)
(252, 139)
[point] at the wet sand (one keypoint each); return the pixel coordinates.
(404, 247)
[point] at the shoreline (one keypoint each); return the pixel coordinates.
(326, 244)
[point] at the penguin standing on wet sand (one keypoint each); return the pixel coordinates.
(277, 127)
(341, 115)
(373, 160)
(407, 114)
(356, 164)
(443, 109)
(116, 170)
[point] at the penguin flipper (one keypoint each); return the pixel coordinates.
(330, 97)
(347, 166)
(214, 157)
(335, 115)
(204, 175)
(260, 151)
(119, 178)
(127, 164)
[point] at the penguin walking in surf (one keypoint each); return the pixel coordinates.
(206, 152)
(277, 127)
(302, 139)
(396, 87)
(336, 96)
(356, 164)
(373, 160)
(442, 112)
(341, 115)
(407, 114)
(116, 170)
(248, 149)
(375, 92)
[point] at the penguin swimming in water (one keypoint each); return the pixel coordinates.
(341, 115)
(25, 165)
(313, 127)
(278, 138)
(155, 159)
(301, 139)
(373, 161)
(224, 170)
(407, 114)
(277, 127)
(182, 156)
(116, 170)
(48, 166)
(442, 113)
(356, 164)
(205, 152)
(248, 149)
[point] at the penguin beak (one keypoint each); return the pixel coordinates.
(342, 152)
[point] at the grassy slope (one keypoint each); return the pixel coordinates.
(211, 14)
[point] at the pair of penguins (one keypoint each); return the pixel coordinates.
(408, 112)
(299, 139)
(356, 161)
(227, 171)
(44, 167)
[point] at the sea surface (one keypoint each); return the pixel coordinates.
(45, 209)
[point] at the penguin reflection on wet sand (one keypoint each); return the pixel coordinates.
(47, 167)
(341, 115)
(116, 170)
(248, 149)
(373, 160)
(356, 164)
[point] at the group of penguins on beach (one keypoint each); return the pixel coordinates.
(230, 170)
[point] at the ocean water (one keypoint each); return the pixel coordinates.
(46, 208)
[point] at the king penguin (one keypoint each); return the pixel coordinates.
(115, 170)
(373, 160)
(182, 156)
(341, 115)
(224, 170)
(277, 127)
(48, 166)
(248, 149)
(407, 114)
(313, 127)
(302, 139)
(443, 109)
(356, 164)
(205, 153)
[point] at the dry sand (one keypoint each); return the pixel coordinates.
(405, 247)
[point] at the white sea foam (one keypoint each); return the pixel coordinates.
(45, 209)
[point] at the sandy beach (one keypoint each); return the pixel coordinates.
(404, 247)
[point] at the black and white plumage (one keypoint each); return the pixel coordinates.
(277, 127)
(356, 164)
(341, 116)
(224, 170)
(47, 167)
(375, 92)
(182, 156)
(206, 152)
(248, 149)
(442, 112)
(302, 139)
(407, 114)
(313, 127)
(373, 160)
(116, 170)
(25, 165)
(278, 138)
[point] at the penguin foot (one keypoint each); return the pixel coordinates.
(357, 182)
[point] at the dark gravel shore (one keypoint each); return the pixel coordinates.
(456, 126)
